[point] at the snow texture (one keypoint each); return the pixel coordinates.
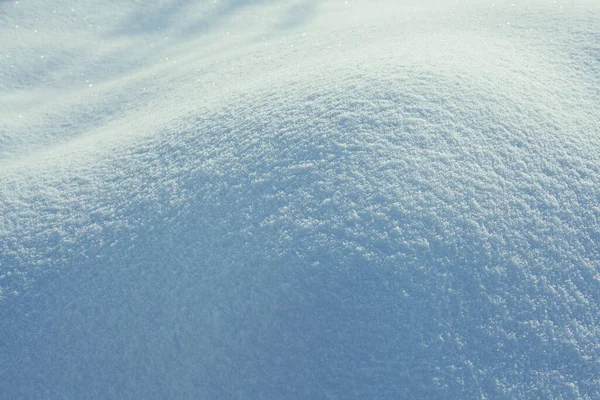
(300, 199)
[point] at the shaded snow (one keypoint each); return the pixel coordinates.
(299, 199)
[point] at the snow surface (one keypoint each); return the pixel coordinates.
(300, 199)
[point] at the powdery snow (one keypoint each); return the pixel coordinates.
(300, 199)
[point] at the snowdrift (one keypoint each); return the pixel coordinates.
(299, 199)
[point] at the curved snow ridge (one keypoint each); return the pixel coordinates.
(417, 218)
(342, 214)
(155, 79)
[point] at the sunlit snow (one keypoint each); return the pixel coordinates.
(300, 199)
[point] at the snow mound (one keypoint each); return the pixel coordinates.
(300, 200)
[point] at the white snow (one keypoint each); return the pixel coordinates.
(300, 199)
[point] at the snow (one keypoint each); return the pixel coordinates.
(300, 199)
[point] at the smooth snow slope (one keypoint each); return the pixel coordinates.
(300, 199)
